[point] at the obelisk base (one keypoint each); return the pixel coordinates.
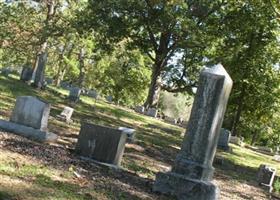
(184, 188)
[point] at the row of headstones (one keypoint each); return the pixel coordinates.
(153, 112)
(30, 119)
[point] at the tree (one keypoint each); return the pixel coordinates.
(161, 29)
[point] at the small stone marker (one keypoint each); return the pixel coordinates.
(266, 176)
(101, 143)
(152, 112)
(130, 133)
(192, 172)
(74, 94)
(276, 158)
(139, 109)
(170, 120)
(26, 74)
(66, 114)
(32, 112)
(223, 142)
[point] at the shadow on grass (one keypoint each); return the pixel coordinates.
(5, 196)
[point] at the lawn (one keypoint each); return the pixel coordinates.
(29, 170)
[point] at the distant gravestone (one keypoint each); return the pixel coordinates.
(223, 142)
(40, 70)
(26, 74)
(49, 81)
(130, 133)
(191, 175)
(6, 71)
(74, 94)
(93, 94)
(266, 176)
(139, 109)
(109, 99)
(170, 120)
(101, 143)
(276, 158)
(152, 112)
(32, 112)
(66, 114)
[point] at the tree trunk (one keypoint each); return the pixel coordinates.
(238, 113)
(155, 88)
(40, 64)
(255, 137)
(82, 74)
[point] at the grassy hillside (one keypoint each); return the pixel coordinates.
(30, 170)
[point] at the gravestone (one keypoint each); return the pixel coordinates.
(109, 99)
(152, 112)
(170, 120)
(191, 175)
(223, 142)
(66, 114)
(49, 81)
(74, 94)
(93, 94)
(266, 176)
(139, 109)
(6, 71)
(32, 112)
(101, 143)
(26, 74)
(130, 133)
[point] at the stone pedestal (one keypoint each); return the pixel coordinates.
(101, 143)
(32, 112)
(192, 172)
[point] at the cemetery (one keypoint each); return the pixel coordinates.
(139, 100)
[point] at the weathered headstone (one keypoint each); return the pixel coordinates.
(26, 74)
(223, 142)
(30, 119)
(109, 99)
(139, 109)
(266, 176)
(93, 94)
(190, 177)
(152, 112)
(32, 112)
(101, 143)
(74, 94)
(130, 133)
(66, 114)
